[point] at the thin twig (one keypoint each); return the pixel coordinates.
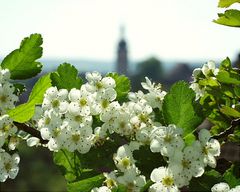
(229, 130)
(31, 131)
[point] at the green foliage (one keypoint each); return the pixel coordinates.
(66, 77)
(229, 77)
(230, 17)
(22, 62)
(120, 188)
(86, 185)
(83, 171)
(68, 163)
(206, 181)
(19, 88)
(146, 186)
(122, 86)
(230, 111)
(232, 175)
(227, 3)
(145, 159)
(104, 153)
(24, 112)
(180, 109)
(189, 139)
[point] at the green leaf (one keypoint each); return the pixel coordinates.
(68, 163)
(226, 64)
(230, 111)
(228, 77)
(230, 17)
(122, 86)
(146, 186)
(189, 139)
(86, 185)
(209, 82)
(179, 108)
(104, 152)
(145, 159)
(232, 175)
(22, 62)
(24, 112)
(205, 182)
(39, 89)
(227, 3)
(120, 188)
(237, 91)
(66, 77)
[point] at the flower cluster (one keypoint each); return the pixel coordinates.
(127, 173)
(67, 122)
(224, 187)
(67, 117)
(8, 163)
(208, 71)
(184, 162)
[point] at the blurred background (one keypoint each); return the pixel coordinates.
(164, 40)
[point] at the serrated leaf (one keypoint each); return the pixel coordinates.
(122, 85)
(226, 64)
(66, 77)
(86, 185)
(145, 159)
(209, 82)
(230, 111)
(230, 17)
(24, 112)
(68, 163)
(179, 108)
(227, 3)
(39, 89)
(232, 175)
(205, 182)
(22, 62)
(228, 77)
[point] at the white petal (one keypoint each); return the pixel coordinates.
(15, 158)
(32, 141)
(158, 174)
(155, 146)
(211, 161)
(13, 172)
(74, 95)
(45, 133)
(220, 187)
(214, 147)
(108, 82)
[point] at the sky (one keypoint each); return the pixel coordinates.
(90, 29)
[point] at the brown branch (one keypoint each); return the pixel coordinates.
(31, 131)
(229, 130)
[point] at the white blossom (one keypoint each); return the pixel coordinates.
(163, 180)
(210, 148)
(8, 166)
(166, 140)
(101, 189)
(220, 187)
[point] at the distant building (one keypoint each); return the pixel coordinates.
(122, 55)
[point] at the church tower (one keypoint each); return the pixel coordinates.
(122, 60)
